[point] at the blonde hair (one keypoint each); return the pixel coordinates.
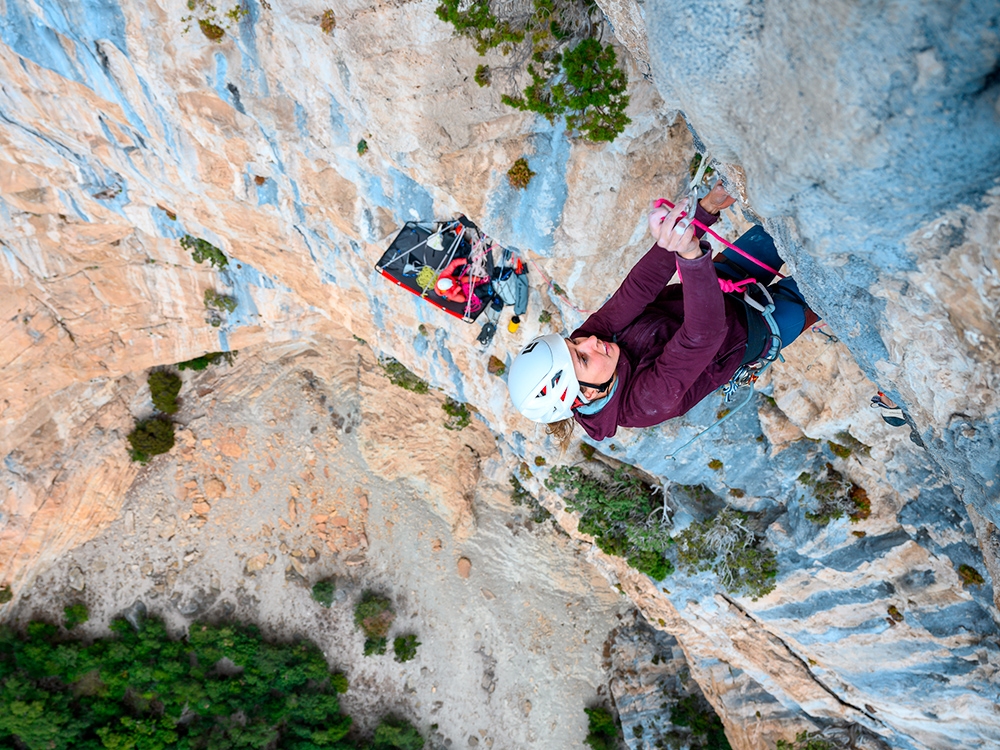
(562, 431)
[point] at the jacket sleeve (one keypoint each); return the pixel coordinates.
(658, 389)
(642, 285)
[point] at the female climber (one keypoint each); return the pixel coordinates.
(653, 351)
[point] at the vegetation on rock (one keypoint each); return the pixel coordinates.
(834, 496)
(222, 302)
(323, 591)
(75, 614)
(362, 147)
(151, 437)
(164, 387)
(201, 250)
(805, 741)
(621, 512)
(519, 175)
(602, 729)
(728, 546)
(404, 647)
(458, 414)
(328, 21)
(5, 594)
(696, 714)
(555, 43)
(495, 366)
(373, 615)
(520, 497)
(211, 358)
(399, 375)
(970, 576)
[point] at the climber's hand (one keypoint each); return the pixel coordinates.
(717, 199)
(673, 236)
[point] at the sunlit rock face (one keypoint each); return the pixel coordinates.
(869, 145)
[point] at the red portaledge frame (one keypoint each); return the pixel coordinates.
(438, 305)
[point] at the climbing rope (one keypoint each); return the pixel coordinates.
(664, 202)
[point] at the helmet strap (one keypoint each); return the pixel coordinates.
(599, 388)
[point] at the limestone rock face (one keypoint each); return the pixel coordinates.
(871, 156)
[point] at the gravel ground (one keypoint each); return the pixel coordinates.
(268, 491)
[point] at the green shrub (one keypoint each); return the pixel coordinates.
(328, 21)
(75, 614)
(5, 594)
(728, 546)
(970, 576)
(211, 358)
(216, 301)
(164, 387)
(458, 414)
(399, 375)
(373, 615)
(143, 689)
(715, 464)
(620, 511)
(602, 729)
(554, 42)
(519, 175)
(397, 734)
(805, 741)
(405, 647)
(697, 715)
(362, 147)
(322, 592)
(833, 496)
(202, 251)
(544, 317)
(521, 497)
(151, 437)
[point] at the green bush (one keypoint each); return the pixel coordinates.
(521, 497)
(405, 647)
(805, 741)
(362, 147)
(373, 615)
(399, 375)
(5, 594)
(519, 175)
(143, 689)
(75, 614)
(621, 512)
(164, 387)
(728, 546)
(831, 496)
(322, 592)
(602, 729)
(221, 302)
(697, 715)
(202, 251)
(397, 734)
(210, 358)
(970, 576)
(151, 437)
(554, 42)
(458, 414)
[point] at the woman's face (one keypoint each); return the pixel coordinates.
(594, 361)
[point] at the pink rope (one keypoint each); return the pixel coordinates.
(664, 202)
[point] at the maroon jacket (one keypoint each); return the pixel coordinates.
(678, 343)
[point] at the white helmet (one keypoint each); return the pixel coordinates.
(542, 382)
